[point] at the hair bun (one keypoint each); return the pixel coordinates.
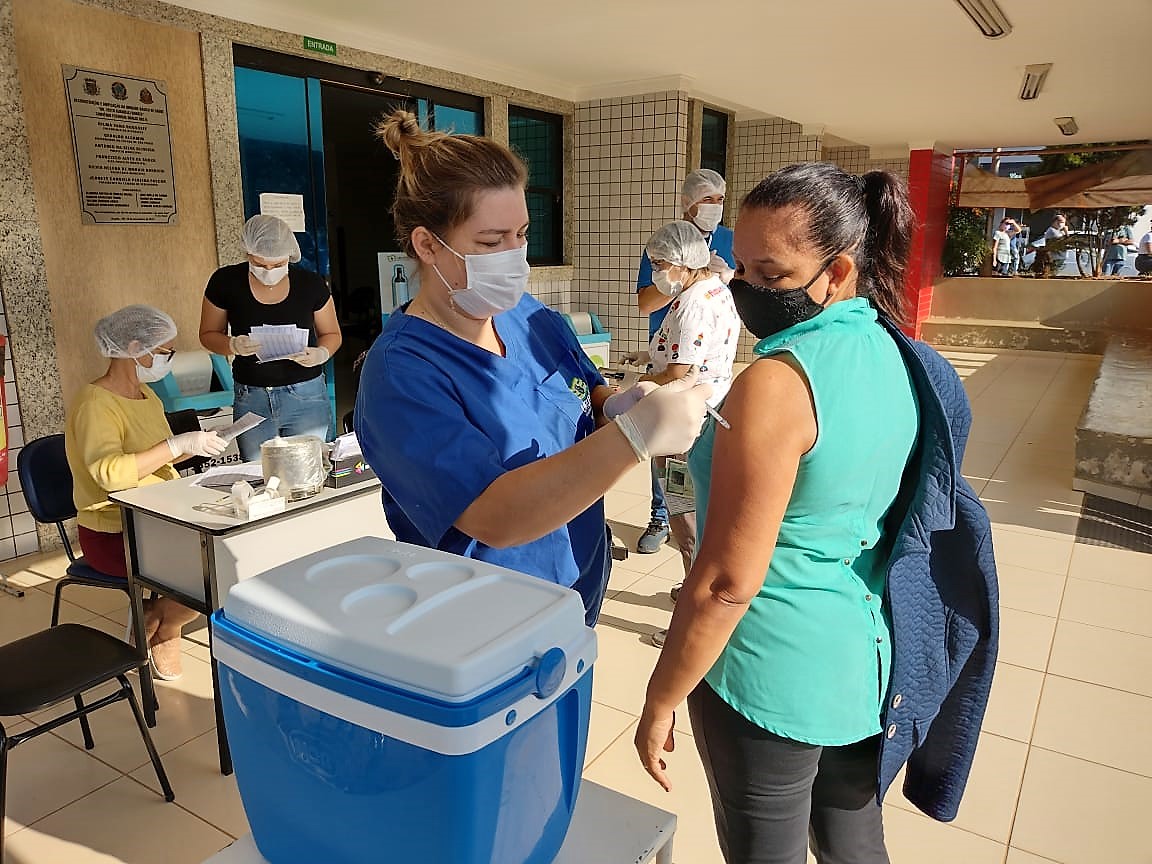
(398, 129)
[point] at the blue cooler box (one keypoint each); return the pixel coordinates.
(390, 703)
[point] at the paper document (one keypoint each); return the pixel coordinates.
(223, 476)
(679, 494)
(248, 421)
(345, 447)
(278, 341)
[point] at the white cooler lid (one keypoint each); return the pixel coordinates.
(420, 619)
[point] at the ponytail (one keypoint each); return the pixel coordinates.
(887, 242)
(440, 174)
(868, 217)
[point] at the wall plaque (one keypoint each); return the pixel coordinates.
(123, 147)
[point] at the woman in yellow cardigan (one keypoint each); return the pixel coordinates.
(118, 438)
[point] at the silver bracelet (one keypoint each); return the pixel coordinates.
(633, 436)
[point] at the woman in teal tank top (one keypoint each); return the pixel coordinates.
(781, 640)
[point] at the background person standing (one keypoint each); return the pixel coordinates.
(702, 200)
(265, 289)
(1119, 242)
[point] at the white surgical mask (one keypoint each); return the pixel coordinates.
(496, 281)
(268, 275)
(708, 216)
(665, 284)
(161, 366)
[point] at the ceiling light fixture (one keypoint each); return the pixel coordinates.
(1067, 125)
(1034, 77)
(987, 16)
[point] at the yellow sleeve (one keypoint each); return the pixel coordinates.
(100, 435)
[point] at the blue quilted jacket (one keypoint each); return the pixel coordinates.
(943, 598)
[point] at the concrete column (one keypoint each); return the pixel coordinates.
(496, 118)
(695, 132)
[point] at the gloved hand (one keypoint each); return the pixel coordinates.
(720, 266)
(669, 419)
(618, 403)
(197, 444)
(243, 346)
(310, 357)
(636, 358)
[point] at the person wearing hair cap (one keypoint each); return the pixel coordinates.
(118, 438)
(290, 393)
(702, 202)
(700, 330)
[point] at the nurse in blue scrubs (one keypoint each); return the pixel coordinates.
(492, 433)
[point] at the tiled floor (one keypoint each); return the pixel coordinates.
(1063, 772)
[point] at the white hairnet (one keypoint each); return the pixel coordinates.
(134, 331)
(679, 243)
(699, 185)
(270, 238)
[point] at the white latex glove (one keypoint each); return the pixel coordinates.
(197, 444)
(719, 266)
(243, 346)
(618, 403)
(310, 357)
(636, 358)
(669, 419)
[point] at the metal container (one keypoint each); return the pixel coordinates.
(298, 461)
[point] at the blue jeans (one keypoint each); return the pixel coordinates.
(1113, 268)
(659, 508)
(294, 409)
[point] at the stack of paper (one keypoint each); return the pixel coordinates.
(248, 421)
(223, 476)
(278, 341)
(345, 447)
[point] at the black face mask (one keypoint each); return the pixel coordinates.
(765, 311)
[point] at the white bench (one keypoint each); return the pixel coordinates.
(607, 828)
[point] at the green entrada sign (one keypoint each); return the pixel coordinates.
(320, 46)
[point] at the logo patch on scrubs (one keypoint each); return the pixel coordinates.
(579, 388)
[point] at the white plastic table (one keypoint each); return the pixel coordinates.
(181, 545)
(607, 828)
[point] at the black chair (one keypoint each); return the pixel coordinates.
(63, 663)
(47, 481)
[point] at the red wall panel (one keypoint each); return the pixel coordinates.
(929, 182)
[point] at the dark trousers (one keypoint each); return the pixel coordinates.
(771, 797)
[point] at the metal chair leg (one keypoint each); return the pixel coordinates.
(56, 601)
(169, 795)
(84, 727)
(3, 782)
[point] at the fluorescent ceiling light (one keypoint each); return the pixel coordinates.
(987, 16)
(1034, 76)
(1067, 125)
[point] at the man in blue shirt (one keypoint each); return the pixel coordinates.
(702, 199)
(1120, 240)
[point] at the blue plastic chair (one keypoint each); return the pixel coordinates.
(47, 481)
(169, 391)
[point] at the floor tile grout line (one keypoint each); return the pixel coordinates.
(1051, 644)
(1104, 765)
(1044, 858)
(949, 825)
(178, 803)
(69, 804)
(1096, 684)
(612, 744)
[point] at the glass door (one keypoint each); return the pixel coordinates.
(308, 128)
